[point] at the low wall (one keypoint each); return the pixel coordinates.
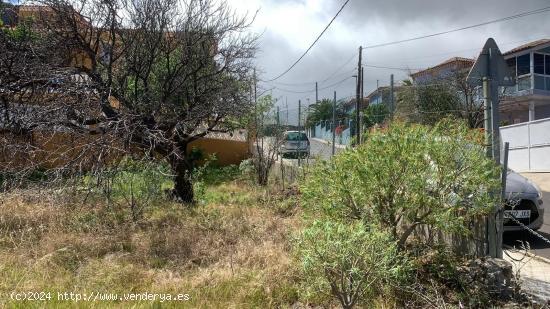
(227, 152)
(79, 151)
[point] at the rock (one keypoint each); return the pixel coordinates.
(500, 279)
(493, 275)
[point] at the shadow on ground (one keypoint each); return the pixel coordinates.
(515, 239)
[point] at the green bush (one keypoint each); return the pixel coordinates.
(134, 184)
(407, 176)
(353, 262)
(211, 175)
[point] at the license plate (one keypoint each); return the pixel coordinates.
(518, 214)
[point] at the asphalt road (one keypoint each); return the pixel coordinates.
(318, 150)
(322, 150)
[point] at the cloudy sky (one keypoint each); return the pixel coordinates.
(288, 27)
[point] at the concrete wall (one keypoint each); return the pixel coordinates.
(53, 150)
(529, 145)
(227, 152)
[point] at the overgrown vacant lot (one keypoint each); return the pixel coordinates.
(230, 250)
(344, 236)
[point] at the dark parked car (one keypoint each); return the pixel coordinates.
(524, 202)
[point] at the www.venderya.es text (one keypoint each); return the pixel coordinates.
(98, 296)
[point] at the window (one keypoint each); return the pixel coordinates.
(523, 64)
(512, 64)
(296, 136)
(539, 63)
(539, 82)
(547, 64)
(524, 83)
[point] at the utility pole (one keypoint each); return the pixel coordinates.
(491, 71)
(491, 219)
(377, 92)
(358, 98)
(334, 125)
(278, 119)
(504, 176)
(488, 117)
(392, 100)
(493, 90)
(299, 115)
(361, 104)
(286, 106)
(305, 116)
(362, 85)
(316, 93)
(299, 126)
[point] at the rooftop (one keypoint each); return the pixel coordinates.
(460, 61)
(527, 46)
(377, 91)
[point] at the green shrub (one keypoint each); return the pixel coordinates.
(353, 262)
(247, 168)
(210, 175)
(133, 184)
(407, 176)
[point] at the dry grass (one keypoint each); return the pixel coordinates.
(232, 251)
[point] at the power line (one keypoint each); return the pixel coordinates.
(340, 68)
(336, 84)
(313, 90)
(391, 68)
(311, 83)
(404, 68)
(538, 11)
(311, 46)
(477, 50)
(524, 14)
(293, 91)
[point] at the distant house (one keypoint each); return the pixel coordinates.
(382, 96)
(447, 69)
(524, 108)
(51, 147)
(348, 107)
(529, 100)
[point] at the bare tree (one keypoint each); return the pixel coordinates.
(267, 137)
(472, 109)
(153, 75)
(445, 96)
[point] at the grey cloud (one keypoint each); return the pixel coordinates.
(426, 11)
(379, 21)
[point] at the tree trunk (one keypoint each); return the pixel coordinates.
(183, 186)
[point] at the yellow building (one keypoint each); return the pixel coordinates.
(50, 148)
